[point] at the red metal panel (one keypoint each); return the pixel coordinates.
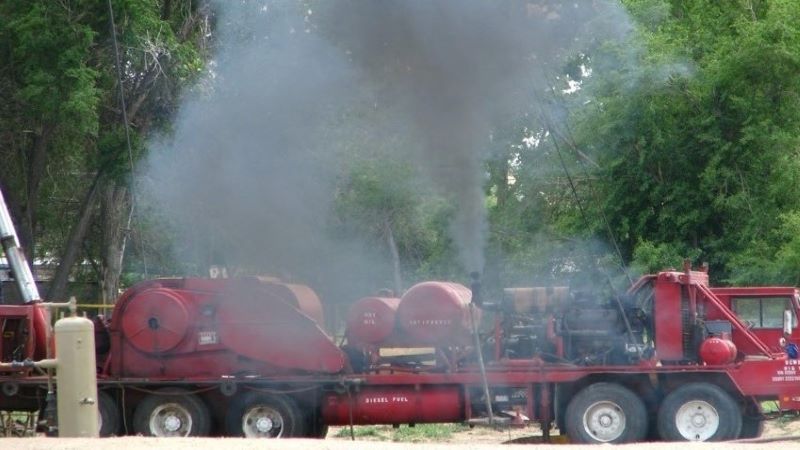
(268, 329)
(668, 323)
(41, 331)
(299, 296)
(24, 316)
(768, 377)
(180, 328)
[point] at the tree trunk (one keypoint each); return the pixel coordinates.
(398, 276)
(58, 287)
(37, 161)
(116, 204)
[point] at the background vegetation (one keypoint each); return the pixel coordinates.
(684, 145)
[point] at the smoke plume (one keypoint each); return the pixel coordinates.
(455, 69)
(250, 167)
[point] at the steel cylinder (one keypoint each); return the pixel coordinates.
(716, 351)
(371, 320)
(436, 313)
(395, 405)
(76, 378)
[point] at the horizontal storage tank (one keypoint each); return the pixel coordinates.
(436, 313)
(395, 405)
(717, 351)
(371, 320)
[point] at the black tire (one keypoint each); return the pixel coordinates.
(699, 412)
(319, 432)
(257, 415)
(315, 429)
(108, 414)
(606, 413)
(652, 429)
(171, 412)
(752, 427)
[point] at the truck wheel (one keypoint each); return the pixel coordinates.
(606, 412)
(257, 415)
(107, 415)
(171, 412)
(314, 427)
(699, 412)
(752, 427)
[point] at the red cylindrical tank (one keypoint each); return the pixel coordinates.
(436, 313)
(371, 320)
(395, 405)
(716, 351)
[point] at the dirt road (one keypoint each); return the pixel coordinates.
(475, 439)
(138, 443)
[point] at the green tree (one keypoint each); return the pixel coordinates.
(63, 143)
(697, 140)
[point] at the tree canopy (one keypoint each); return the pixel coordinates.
(679, 139)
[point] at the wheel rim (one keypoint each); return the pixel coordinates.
(604, 421)
(697, 420)
(262, 422)
(170, 419)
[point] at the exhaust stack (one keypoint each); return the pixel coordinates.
(16, 259)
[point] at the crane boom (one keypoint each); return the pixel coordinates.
(16, 258)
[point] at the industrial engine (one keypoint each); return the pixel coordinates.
(557, 325)
(549, 324)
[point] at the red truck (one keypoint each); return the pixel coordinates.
(672, 359)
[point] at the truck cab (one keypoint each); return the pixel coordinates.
(765, 311)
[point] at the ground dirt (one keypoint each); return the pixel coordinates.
(779, 433)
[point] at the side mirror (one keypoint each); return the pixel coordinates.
(787, 322)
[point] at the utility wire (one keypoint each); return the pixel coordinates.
(593, 193)
(617, 300)
(124, 108)
(582, 158)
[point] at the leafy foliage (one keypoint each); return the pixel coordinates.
(699, 158)
(684, 146)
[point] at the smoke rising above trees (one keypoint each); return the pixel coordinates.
(308, 143)
(425, 83)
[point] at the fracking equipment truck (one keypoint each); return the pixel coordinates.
(672, 359)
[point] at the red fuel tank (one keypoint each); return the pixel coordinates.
(436, 313)
(716, 351)
(371, 320)
(395, 405)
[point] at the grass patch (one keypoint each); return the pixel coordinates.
(769, 406)
(428, 432)
(365, 431)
